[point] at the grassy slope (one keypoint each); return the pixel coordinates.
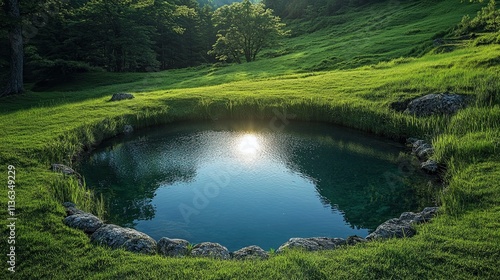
(40, 128)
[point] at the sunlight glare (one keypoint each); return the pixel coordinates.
(249, 144)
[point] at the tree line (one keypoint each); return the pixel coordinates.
(116, 35)
(48, 40)
(61, 37)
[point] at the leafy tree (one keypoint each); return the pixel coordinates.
(20, 21)
(112, 35)
(184, 34)
(244, 30)
(486, 20)
(121, 35)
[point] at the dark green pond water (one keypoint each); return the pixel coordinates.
(242, 184)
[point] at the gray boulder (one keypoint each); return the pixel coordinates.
(61, 168)
(141, 245)
(424, 151)
(402, 226)
(436, 104)
(421, 149)
(130, 239)
(250, 253)
(411, 217)
(121, 96)
(416, 144)
(211, 250)
(84, 221)
(312, 244)
(173, 247)
(69, 204)
(430, 166)
(428, 213)
(354, 239)
(393, 228)
(127, 129)
(71, 209)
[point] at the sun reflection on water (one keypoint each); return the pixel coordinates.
(248, 144)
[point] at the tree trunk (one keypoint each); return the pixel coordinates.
(248, 55)
(15, 83)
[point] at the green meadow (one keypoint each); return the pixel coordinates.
(345, 69)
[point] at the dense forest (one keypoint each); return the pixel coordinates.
(114, 35)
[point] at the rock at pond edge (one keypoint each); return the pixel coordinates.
(250, 253)
(393, 228)
(402, 226)
(84, 221)
(130, 239)
(173, 247)
(312, 244)
(61, 168)
(71, 209)
(354, 239)
(211, 250)
(430, 166)
(127, 129)
(436, 104)
(428, 213)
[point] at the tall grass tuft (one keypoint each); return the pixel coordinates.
(488, 91)
(70, 189)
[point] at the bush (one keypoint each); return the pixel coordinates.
(486, 20)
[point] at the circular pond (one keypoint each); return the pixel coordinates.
(242, 184)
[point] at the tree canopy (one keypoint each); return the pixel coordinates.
(244, 29)
(67, 36)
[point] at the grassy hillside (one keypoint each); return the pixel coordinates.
(40, 128)
(357, 37)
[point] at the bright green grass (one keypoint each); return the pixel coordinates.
(462, 243)
(366, 35)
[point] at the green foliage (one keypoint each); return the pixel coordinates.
(111, 32)
(115, 35)
(486, 20)
(244, 30)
